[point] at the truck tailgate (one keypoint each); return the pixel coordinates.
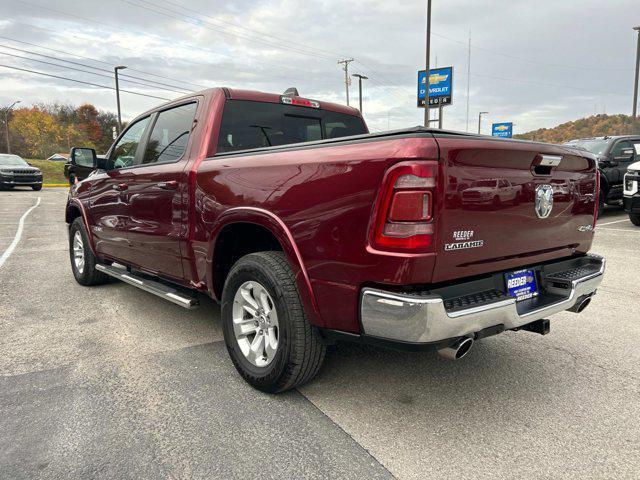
(488, 216)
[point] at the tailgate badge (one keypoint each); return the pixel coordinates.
(463, 240)
(544, 201)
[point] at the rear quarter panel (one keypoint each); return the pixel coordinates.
(324, 197)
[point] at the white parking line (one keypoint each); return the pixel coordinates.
(611, 223)
(7, 253)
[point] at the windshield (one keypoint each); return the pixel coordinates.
(12, 160)
(597, 147)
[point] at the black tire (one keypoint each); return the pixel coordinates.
(72, 179)
(300, 351)
(496, 203)
(635, 219)
(37, 188)
(601, 203)
(89, 275)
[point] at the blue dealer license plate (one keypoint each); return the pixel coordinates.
(522, 284)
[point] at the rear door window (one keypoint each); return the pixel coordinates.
(170, 135)
(247, 125)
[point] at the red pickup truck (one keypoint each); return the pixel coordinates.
(309, 230)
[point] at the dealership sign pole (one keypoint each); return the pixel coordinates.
(440, 91)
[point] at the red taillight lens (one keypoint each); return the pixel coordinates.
(403, 216)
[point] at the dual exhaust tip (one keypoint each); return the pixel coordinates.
(458, 350)
(463, 346)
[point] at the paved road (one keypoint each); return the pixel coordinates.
(111, 382)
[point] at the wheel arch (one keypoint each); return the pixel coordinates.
(75, 210)
(266, 232)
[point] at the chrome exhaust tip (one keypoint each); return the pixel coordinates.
(581, 304)
(457, 350)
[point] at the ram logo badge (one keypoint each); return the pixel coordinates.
(544, 201)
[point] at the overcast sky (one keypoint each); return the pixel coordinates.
(535, 63)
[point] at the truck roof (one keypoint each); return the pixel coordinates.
(251, 95)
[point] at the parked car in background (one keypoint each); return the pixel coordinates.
(632, 193)
(17, 172)
(614, 155)
(308, 229)
(78, 168)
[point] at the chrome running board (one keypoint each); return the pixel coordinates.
(158, 289)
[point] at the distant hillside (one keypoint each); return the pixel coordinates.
(596, 126)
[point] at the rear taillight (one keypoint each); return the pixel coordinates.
(403, 215)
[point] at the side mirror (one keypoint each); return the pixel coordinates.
(84, 157)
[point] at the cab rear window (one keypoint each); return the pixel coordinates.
(247, 125)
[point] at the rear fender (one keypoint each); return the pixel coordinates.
(281, 232)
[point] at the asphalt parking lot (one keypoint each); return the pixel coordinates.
(112, 382)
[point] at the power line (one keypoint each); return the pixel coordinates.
(110, 76)
(205, 24)
(60, 12)
(77, 55)
(80, 81)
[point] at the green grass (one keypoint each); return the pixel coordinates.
(52, 172)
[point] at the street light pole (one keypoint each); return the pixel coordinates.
(115, 71)
(360, 78)
(480, 121)
(427, 67)
(6, 123)
(635, 88)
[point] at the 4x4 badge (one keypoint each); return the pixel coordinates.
(544, 201)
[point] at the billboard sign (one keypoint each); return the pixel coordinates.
(440, 87)
(504, 130)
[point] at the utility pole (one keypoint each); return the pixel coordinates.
(427, 67)
(635, 88)
(346, 75)
(115, 70)
(480, 121)
(360, 78)
(6, 123)
(468, 79)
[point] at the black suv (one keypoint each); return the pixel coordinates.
(614, 155)
(16, 172)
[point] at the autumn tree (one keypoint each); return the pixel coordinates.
(87, 122)
(37, 132)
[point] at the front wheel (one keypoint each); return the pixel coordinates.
(83, 261)
(37, 188)
(635, 219)
(268, 336)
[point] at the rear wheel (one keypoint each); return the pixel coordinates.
(268, 336)
(635, 219)
(83, 261)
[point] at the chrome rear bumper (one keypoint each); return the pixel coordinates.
(423, 319)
